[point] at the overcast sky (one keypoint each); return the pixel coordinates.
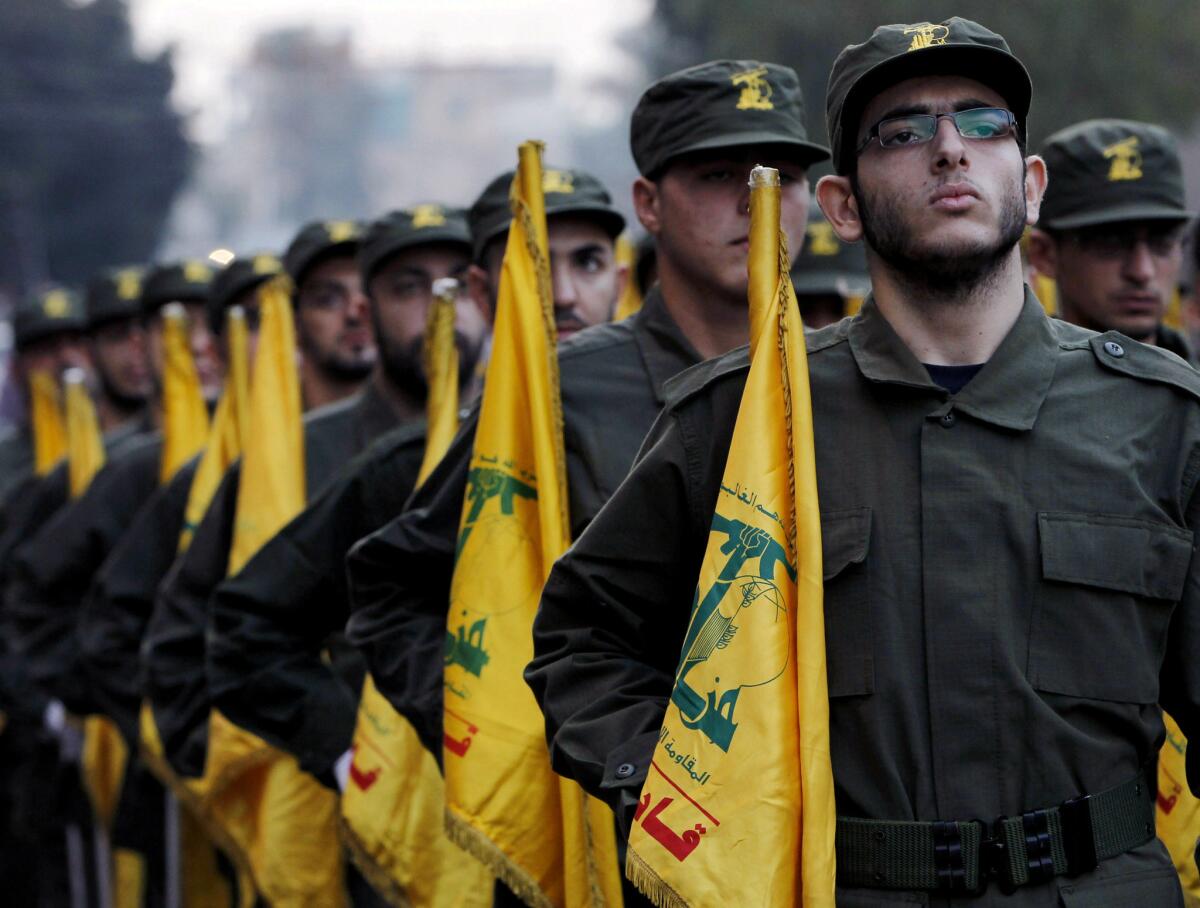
(212, 35)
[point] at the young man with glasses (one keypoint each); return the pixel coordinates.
(1112, 227)
(1008, 509)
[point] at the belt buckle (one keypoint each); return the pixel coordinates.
(994, 864)
(1075, 816)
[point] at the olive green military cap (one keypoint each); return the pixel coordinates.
(893, 53)
(319, 240)
(112, 295)
(188, 281)
(420, 225)
(1104, 171)
(826, 264)
(565, 191)
(241, 275)
(720, 104)
(55, 310)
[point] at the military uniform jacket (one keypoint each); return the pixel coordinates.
(16, 457)
(612, 378)
(173, 649)
(1008, 575)
(33, 502)
(50, 570)
(120, 600)
(272, 622)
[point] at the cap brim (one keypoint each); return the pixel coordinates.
(610, 220)
(431, 236)
(807, 153)
(1117, 214)
(991, 66)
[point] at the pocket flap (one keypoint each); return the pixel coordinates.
(1117, 553)
(844, 539)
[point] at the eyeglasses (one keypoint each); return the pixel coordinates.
(1117, 243)
(917, 129)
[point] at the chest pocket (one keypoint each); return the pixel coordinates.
(1102, 613)
(849, 641)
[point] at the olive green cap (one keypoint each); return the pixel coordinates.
(318, 240)
(565, 191)
(1104, 171)
(188, 281)
(826, 264)
(893, 53)
(55, 310)
(113, 294)
(420, 225)
(720, 104)
(242, 274)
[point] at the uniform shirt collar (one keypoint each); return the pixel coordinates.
(665, 350)
(1009, 389)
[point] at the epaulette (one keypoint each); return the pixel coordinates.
(1117, 353)
(680, 387)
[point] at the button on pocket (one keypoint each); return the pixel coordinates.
(849, 641)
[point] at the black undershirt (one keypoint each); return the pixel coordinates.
(952, 378)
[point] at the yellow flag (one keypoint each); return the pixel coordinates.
(441, 375)
(504, 804)
(1178, 813)
(746, 806)
(102, 762)
(394, 805)
(230, 421)
(279, 817)
(185, 417)
(1173, 317)
(631, 298)
(203, 884)
(85, 444)
(46, 418)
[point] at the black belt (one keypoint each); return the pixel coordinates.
(963, 856)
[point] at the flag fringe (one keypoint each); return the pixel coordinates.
(650, 884)
(483, 849)
(376, 875)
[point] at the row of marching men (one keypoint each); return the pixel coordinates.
(187, 625)
(186, 721)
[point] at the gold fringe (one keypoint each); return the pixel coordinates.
(379, 879)
(483, 849)
(650, 884)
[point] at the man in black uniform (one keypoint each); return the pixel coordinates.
(48, 333)
(121, 597)
(1112, 228)
(51, 571)
(1008, 508)
(694, 139)
(117, 340)
(272, 622)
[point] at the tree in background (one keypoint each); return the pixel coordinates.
(91, 152)
(1088, 58)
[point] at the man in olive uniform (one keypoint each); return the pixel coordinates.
(1112, 228)
(1008, 507)
(695, 141)
(272, 622)
(829, 276)
(48, 333)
